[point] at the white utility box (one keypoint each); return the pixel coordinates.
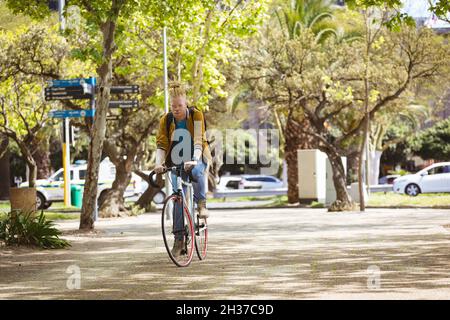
(315, 177)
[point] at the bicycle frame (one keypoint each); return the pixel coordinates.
(188, 201)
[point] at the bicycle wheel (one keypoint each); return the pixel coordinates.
(201, 237)
(182, 228)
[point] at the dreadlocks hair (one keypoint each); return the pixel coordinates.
(176, 89)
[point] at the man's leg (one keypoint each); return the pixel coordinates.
(198, 172)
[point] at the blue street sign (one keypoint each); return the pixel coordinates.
(72, 113)
(72, 82)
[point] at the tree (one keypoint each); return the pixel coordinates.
(440, 8)
(327, 83)
(433, 143)
(28, 57)
(103, 18)
(391, 127)
(138, 60)
(315, 15)
(295, 18)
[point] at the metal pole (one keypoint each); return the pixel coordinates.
(62, 20)
(66, 159)
(166, 92)
(368, 157)
(93, 83)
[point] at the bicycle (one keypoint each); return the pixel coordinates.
(191, 223)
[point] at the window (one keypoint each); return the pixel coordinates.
(262, 179)
(60, 176)
(439, 170)
(232, 184)
(82, 174)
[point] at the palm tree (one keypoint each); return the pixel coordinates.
(294, 18)
(298, 15)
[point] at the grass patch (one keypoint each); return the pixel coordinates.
(56, 212)
(242, 199)
(391, 199)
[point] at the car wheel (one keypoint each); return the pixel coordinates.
(412, 189)
(159, 197)
(47, 204)
(40, 201)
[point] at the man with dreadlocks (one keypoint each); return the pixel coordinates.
(176, 128)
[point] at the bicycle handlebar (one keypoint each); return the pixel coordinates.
(179, 167)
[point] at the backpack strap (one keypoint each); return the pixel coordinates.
(191, 115)
(169, 121)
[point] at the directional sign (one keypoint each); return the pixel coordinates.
(124, 104)
(72, 82)
(71, 92)
(125, 89)
(72, 113)
(67, 96)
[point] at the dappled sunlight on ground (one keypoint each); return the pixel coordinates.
(253, 254)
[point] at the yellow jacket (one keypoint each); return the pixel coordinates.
(196, 127)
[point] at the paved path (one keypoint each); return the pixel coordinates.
(253, 254)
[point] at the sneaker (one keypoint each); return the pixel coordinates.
(202, 211)
(178, 248)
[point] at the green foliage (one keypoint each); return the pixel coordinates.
(440, 8)
(315, 15)
(399, 172)
(26, 228)
(433, 143)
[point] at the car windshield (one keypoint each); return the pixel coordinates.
(60, 176)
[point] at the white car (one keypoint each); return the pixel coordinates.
(228, 182)
(434, 178)
(52, 189)
(260, 182)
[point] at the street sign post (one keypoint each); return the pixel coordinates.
(125, 89)
(66, 90)
(77, 89)
(72, 82)
(123, 104)
(72, 113)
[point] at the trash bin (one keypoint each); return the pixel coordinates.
(76, 196)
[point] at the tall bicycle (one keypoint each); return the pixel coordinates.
(180, 220)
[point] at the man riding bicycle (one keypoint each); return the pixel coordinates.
(181, 139)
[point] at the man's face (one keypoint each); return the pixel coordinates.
(179, 107)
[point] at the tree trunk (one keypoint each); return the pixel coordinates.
(146, 198)
(99, 127)
(290, 153)
(362, 167)
(42, 158)
(113, 202)
(32, 167)
(374, 161)
(343, 200)
(296, 137)
(5, 180)
(29, 160)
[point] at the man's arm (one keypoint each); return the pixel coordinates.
(199, 131)
(162, 144)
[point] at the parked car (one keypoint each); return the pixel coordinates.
(259, 182)
(434, 178)
(228, 182)
(52, 189)
(389, 179)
